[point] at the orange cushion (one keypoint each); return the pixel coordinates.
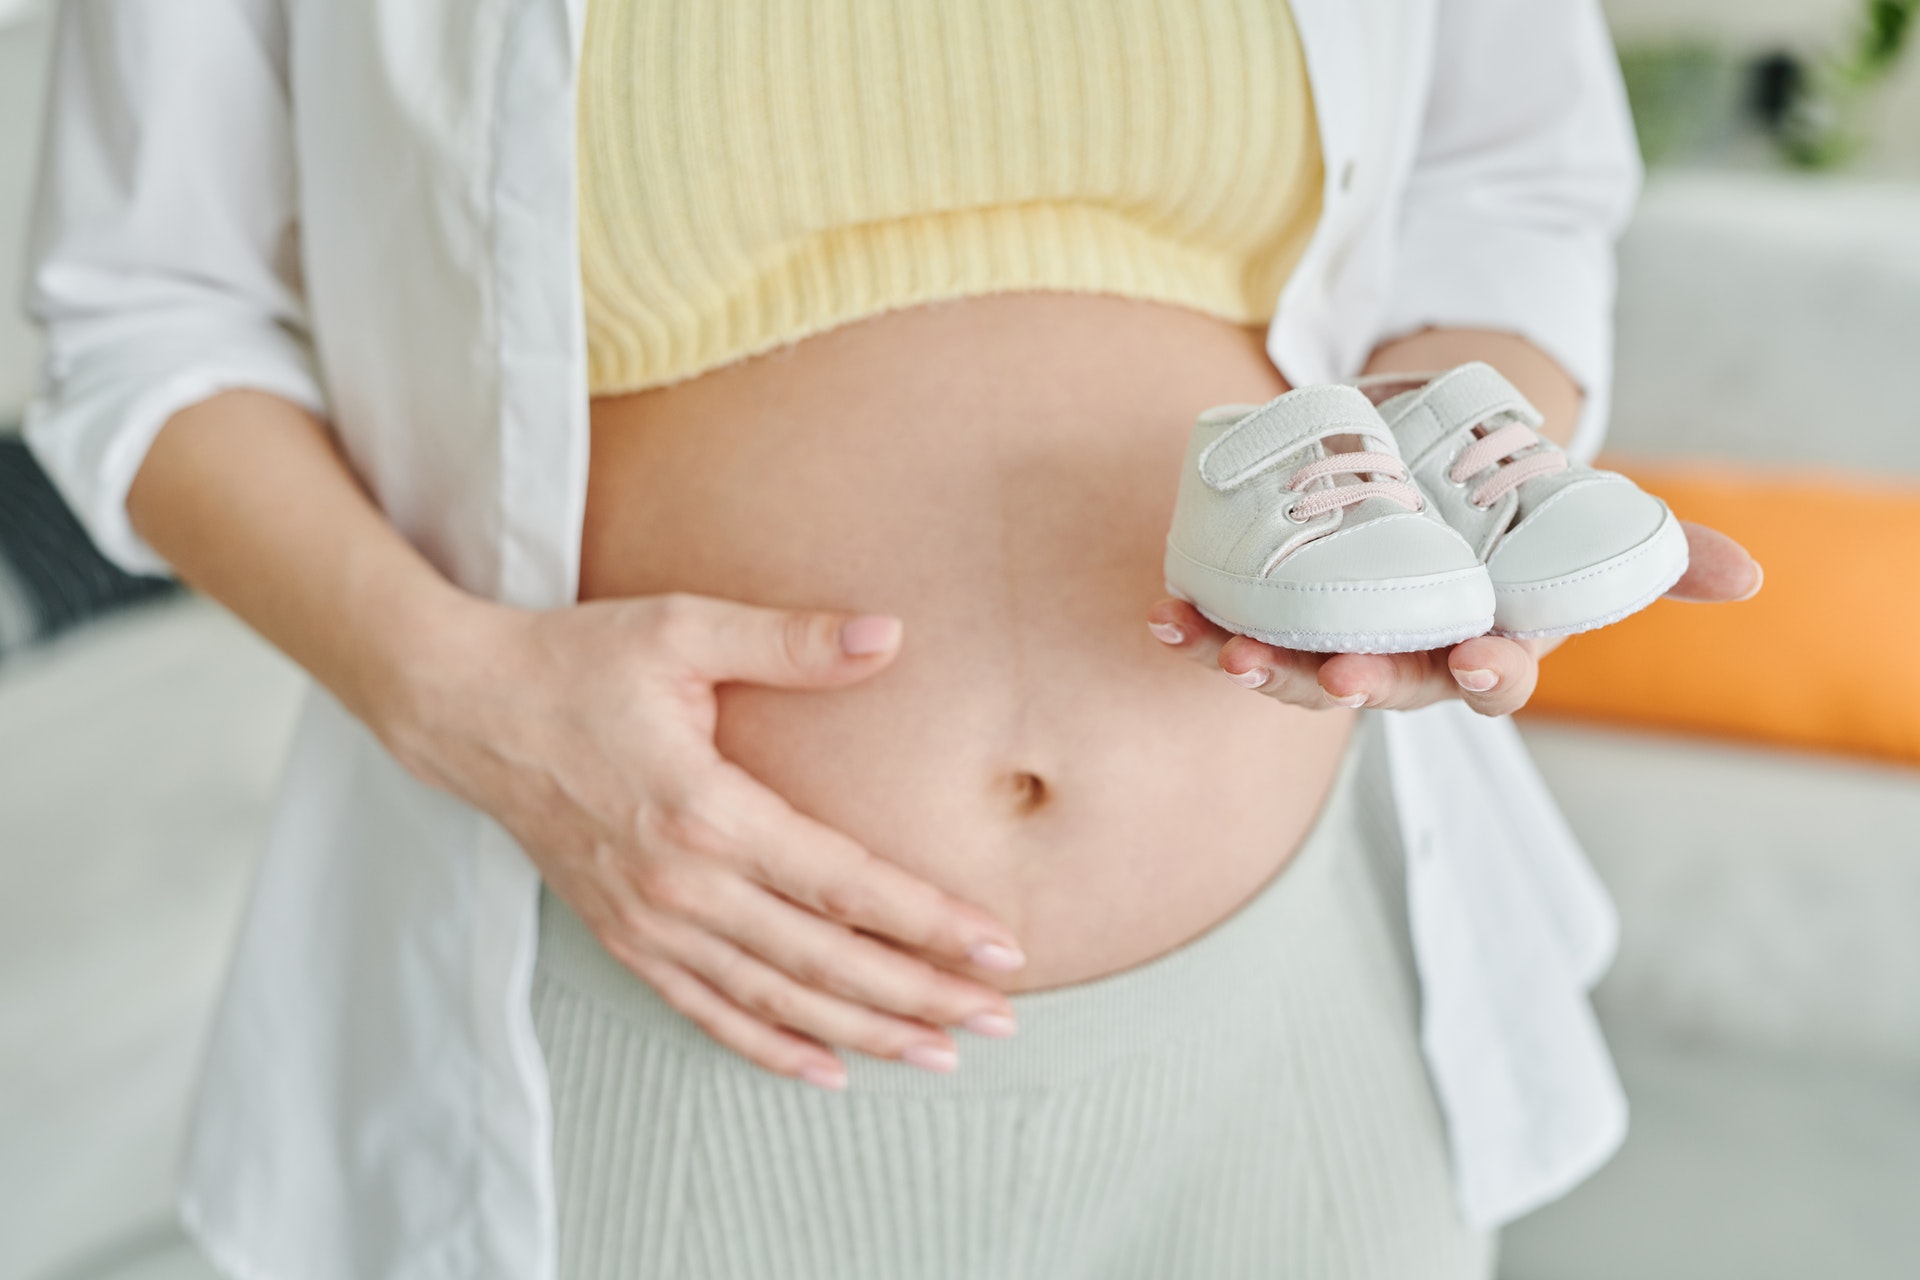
(1827, 656)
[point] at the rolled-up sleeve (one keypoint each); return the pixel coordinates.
(164, 265)
(1526, 173)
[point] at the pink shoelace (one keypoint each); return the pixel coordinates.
(1390, 481)
(1496, 447)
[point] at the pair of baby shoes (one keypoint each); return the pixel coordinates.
(1321, 522)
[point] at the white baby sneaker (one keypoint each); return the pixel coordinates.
(1568, 548)
(1278, 536)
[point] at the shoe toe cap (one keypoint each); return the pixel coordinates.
(1389, 548)
(1581, 527)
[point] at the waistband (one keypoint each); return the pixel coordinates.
(1231, 970)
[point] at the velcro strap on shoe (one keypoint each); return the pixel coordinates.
(1459, 398)
(1285, 426)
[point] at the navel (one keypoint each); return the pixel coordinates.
(1029, 791)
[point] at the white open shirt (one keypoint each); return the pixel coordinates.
(367, 206)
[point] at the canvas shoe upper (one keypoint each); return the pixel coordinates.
(1568, 548)
(1297, 523)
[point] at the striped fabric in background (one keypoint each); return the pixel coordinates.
(51, 578)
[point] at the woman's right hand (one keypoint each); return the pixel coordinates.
(588, 733)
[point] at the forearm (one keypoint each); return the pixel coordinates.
(249, 499)
(1539, 378)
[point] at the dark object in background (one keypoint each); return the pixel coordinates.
(1818, 110)
(1815, 108)
(51, 577)
(1779, 80)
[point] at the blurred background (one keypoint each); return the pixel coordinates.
(1758, 824)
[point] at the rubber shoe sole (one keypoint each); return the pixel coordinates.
(1598, 595)
(1398, 615)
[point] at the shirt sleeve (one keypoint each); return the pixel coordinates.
(164, 264)
(1526, 171)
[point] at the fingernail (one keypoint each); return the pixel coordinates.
(1351, 700)
(869, 633)
(1759, 578)
(931, 1057)
(991, 955)
(1476, 680)
(1247, 679)
(1166, 632)
(997, 1025)
(834, 1078)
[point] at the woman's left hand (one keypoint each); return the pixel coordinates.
(1491, 674)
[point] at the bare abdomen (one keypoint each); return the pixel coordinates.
(999, 473)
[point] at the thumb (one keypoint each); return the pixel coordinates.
(1718, 568)
(785, 648)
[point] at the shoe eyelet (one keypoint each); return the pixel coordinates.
(1290, 517)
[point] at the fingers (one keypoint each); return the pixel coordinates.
(1281, 674)
(1718, 568)
(1388, 681)
(699, 901)
(785, 648)
(835, 877)
(781, 999)
(825, 957)
(770, 1047)
(1493, 675)
(1179, 626)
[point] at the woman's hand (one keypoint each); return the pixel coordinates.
(1491, 674)
(588, 732)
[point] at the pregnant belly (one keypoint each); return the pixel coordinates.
(998, 472)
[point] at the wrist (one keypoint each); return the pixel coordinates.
(1538, 376)
(443, 646)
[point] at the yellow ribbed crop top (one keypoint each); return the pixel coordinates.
(755, 171)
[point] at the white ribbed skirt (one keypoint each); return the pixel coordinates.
(1251, 1104)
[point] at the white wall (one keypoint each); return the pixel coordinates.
(1742, 19)
(23, 38)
